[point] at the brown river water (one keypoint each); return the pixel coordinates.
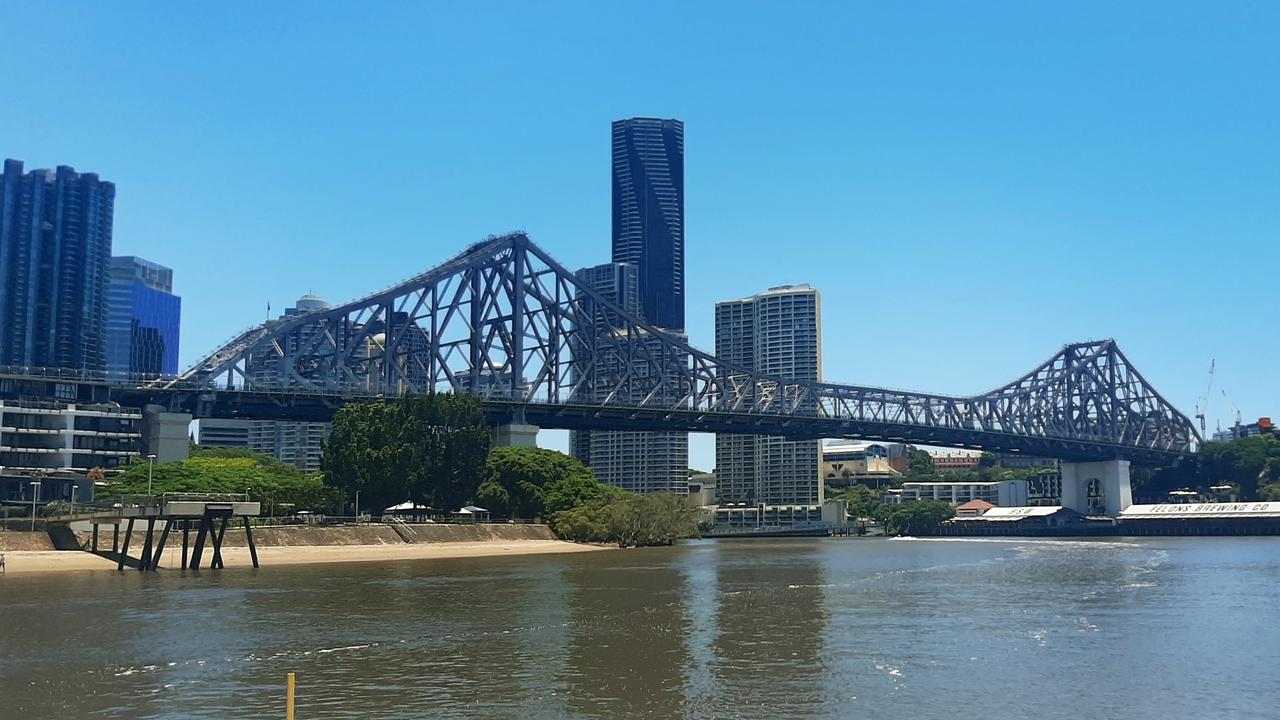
(833, 628)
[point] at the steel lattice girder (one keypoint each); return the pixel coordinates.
(505, 322)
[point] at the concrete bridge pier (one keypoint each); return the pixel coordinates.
(1106, 481)
(514, 430)
(515, 434)
(167, 435)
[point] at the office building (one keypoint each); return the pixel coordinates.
(215, 432)
(55, 242)
(635, 461)
(777, 332)
(143, 320)
(648, 213)
(297, 443)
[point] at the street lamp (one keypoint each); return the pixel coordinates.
(151, 459)
(357, 506)
(35, 497)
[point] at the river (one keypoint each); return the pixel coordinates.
(955, 628)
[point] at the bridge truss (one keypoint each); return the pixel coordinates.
(507, 323)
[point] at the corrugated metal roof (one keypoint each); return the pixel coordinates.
(1012, 514)
(1021, 512)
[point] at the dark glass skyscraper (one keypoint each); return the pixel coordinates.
(648, 213)
(55, 241)
(143, 320)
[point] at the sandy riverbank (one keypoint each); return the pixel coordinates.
(20, 562)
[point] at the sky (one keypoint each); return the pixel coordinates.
(969, 185)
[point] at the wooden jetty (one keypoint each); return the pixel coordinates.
(209, 513)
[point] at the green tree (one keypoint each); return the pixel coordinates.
(863, 501)
(533, 482)
(573, 491)
(231, 470)
(428, 449)
(628, 519)
(585, 523)
(920, 465)
(1270, 492)
(1245, 463)
(920, 517)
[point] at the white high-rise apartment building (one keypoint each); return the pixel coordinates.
(778, 332)
(300, 444)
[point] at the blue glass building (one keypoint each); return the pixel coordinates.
(55, 241)
(143, 320)
(648, 213)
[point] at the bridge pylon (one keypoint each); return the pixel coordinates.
(1088, 487)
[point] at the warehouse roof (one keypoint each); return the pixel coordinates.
(1012, 514)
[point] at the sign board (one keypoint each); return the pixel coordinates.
(1202, 510)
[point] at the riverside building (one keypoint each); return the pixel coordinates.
(55, 243)
(39, 435)
(777, 332)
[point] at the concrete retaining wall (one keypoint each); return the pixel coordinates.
(12, 541)
(295, 536)
(477, 533)
(320, 535)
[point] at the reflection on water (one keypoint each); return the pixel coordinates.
(628, 651)
(834, 628)
(770, 626)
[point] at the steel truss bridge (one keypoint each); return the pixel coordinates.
(507, 323)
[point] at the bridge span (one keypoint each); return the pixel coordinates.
(507, 323)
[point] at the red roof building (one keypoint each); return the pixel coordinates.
(973, 508)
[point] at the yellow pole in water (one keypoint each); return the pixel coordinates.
(288, 700)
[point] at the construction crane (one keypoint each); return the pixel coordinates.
(1201, 410)
(1236, 410)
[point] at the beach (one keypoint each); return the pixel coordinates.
(55, 561)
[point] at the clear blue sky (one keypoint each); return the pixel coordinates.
(970, 185)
